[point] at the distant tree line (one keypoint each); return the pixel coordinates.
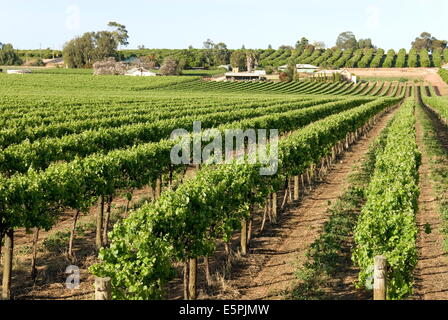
(85, 50)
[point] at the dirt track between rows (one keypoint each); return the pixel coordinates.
(431, 274)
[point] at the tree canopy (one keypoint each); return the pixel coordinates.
(91, 47)
(302, 44)
(428, 42)
(8, 56)
(346, 40)
(120, 33)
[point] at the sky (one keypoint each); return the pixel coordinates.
(391, 24)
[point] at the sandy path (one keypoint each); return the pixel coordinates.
(278, 252)
(431, 274)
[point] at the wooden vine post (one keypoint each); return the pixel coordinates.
(107, 220)
(7, 264)
(99, 223)
(380, 278)
(186, 279)
(103, 289)
(274, 207)
(243, 237)
(208, 277)
(296, 188)
(34, 257)
(72, 236)
(158, 188)
(193, 279)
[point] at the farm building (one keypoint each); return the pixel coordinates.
(345, 74)
(301, 68)
(246, 76)
(21, 71)
(139, 72)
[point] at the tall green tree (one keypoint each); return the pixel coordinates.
(91, 47)
(238, 60)
(120, 33)
(221, 54)
(8, 56)
(346, 40)
(302, 44)
(365, 44)
(208, 46)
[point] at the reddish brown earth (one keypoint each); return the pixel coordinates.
(431, 274)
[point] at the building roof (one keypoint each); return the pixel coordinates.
(306, 66)
(301, 66)
(140, 71)
(257, 73)
(54, 61)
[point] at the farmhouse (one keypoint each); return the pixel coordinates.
(246, 76)
(139, 72)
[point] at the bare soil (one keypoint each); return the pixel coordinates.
(431, 274)
(277, 253)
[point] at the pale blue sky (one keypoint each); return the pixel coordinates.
(254, 23)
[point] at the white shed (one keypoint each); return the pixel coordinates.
(140, 72)
(20, 71)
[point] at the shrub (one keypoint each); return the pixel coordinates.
(437, 58)
(109, 67)
(390, 59)
(401, 59)
(365, 61)
(376, 62)
(424, 59)
(413, 59)
(170, 67)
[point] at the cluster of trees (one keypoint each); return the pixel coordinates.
(347, 40)
(429, 43)
(9, 56)
(84, 51)
(212, 54)
(245, 59)
(216, 54)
